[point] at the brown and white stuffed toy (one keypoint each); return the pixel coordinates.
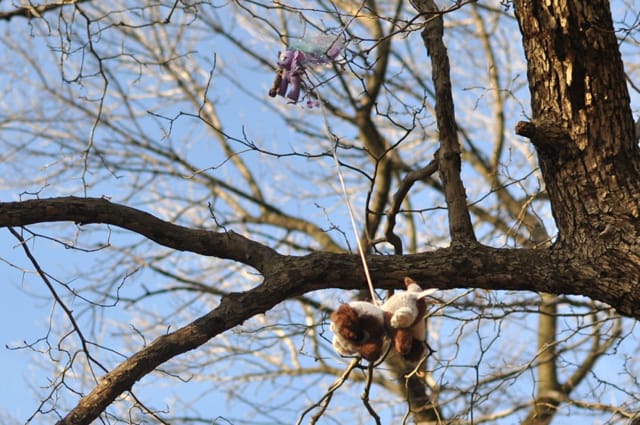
(361, 327)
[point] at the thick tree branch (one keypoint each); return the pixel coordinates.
(588, 159)
(226, 245)
(449, 161)
(545, 270)
(548, 137)
(447, 268)
(545, 407)
(583, 128)
(399, 197)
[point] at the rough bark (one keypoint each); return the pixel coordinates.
(583, 132)
(289, 276)
(475, 267)
(583, 128)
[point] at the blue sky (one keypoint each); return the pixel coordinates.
(23, 320)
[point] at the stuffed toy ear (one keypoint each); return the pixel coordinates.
(345, 323)
(412, 286)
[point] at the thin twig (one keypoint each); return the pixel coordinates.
(67, 310)
(323, 403)
(365, 394)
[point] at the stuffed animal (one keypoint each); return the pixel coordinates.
(404, 316)
(358, 327)
(361, 327)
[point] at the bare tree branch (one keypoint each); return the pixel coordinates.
(226, 245)
(233, 310)
(474, 267)
(140, 109)
(399, 197)
(449, 161)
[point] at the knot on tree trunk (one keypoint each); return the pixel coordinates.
(548, 138)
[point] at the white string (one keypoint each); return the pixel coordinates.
(374, 299)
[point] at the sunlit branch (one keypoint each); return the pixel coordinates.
(33, 11)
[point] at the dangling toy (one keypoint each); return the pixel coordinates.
(404, 316)
(361, 327)
(292, 64)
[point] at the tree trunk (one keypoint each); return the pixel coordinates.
(583, 132)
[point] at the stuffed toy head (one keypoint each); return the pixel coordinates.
(361, 327)
(358, 327)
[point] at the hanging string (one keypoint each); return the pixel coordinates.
(330, 136)
(374, 298)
